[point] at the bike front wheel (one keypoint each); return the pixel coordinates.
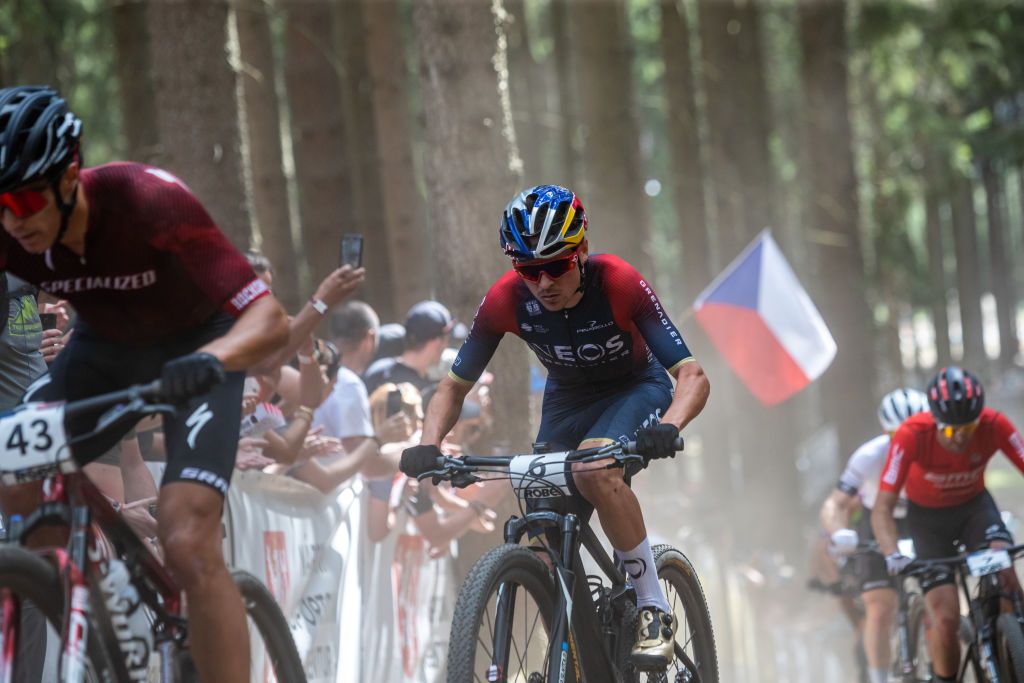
(695, 658)
(1010, 649)
(502, 620)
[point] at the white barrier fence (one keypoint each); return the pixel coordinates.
(358, 611)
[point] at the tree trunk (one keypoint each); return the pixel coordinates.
(527, 98)
(935, 181)
(965, 240)
(368, 217)
(567, 104)
(737, 100)
(1002, 270)
(263, 133)
(406, 230)
(612, 188)
(318, 134)
(684, 139)
(197, 108)
(849, 383)
(468, 156)
(138, 101)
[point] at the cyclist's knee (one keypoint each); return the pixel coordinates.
(880, 606)
(597, 483)
(189, 531)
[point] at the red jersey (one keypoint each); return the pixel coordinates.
(155, 263)
(936, 477)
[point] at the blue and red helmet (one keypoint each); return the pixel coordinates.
(956, 396)
(541, 223)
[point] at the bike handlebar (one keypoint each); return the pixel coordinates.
(420, 465)
(149, 393)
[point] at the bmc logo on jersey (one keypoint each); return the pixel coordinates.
(892, 472)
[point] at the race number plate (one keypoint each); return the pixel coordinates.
(32, 441)
(988, 561)
(539, 476)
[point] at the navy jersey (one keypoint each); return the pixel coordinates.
(155, 264)
(616, 332)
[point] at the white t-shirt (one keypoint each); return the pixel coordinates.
(863, 471)
(346, 412)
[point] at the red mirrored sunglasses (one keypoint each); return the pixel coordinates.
(554, 269)
(24, 203)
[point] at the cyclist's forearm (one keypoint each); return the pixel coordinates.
(835, 513)
(261, 329)
(691, 395)
(300, 327)
(883, 523)
(443, 411)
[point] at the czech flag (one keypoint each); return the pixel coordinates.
(760, 318)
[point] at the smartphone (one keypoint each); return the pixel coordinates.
(352, 250)
(49, 320)
(394, 402)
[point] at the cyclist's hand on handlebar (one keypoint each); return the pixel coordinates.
(843, 542)
(189, 376)
(417, 460)
(658, 441)
(896, 562)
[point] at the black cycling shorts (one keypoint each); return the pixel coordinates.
(939, 532)
(869, 567)
(201, 439)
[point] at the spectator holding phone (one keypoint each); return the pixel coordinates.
(21, 361)
(427, 327)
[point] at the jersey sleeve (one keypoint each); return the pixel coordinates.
(495, 316)
(897, 463)
(662, 336)
(184, 229)
(852, 477)
(1009, 441)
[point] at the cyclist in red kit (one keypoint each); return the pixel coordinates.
(160, 293)
(939, 458)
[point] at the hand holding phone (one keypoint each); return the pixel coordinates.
(49, 320)
(352, 250)
(394, 404)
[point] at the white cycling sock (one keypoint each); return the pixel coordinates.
(878, 675)
(643, 575)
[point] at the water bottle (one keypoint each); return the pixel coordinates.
(128, 618)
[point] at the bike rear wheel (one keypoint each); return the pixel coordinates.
(516, 574)
(1010, 649)
(30, 578)
(695, 636)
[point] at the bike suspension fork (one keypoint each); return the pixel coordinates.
(76, 625)
(565, 580)
(903, 629)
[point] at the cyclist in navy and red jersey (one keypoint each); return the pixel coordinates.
(939, 458)
(160, 293)
(606, 341)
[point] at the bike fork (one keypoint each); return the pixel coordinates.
(903, 630)
(76, 623)
(11, 610)
(561, 654)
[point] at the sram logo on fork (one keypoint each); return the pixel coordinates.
(73, 664)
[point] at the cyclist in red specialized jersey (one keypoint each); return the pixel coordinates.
(940, 457)
(160, 292)
(606, 341)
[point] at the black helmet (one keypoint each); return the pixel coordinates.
(38, 135)
(955, 396)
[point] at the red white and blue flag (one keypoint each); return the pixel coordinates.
(761, 320)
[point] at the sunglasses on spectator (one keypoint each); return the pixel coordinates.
(553, 269)
(951, 431)
(24, 203)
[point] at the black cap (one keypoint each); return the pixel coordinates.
(427, 320)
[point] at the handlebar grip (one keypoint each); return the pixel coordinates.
(417, 461)
(679, 443)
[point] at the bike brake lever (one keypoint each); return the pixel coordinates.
(464, 479)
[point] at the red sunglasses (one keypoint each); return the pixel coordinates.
(24, 203)
(553, 269)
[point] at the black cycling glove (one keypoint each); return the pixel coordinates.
(658, 441)
(190, 376)
(417, 460)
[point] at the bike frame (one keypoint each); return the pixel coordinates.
(72, 501)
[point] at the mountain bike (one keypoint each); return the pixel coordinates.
(73, 585)
(994, 639)
(533, 614)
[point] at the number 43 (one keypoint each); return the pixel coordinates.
(41, 439)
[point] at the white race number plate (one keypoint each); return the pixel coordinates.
(32, 437)
(988, 561)
(539, 476)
